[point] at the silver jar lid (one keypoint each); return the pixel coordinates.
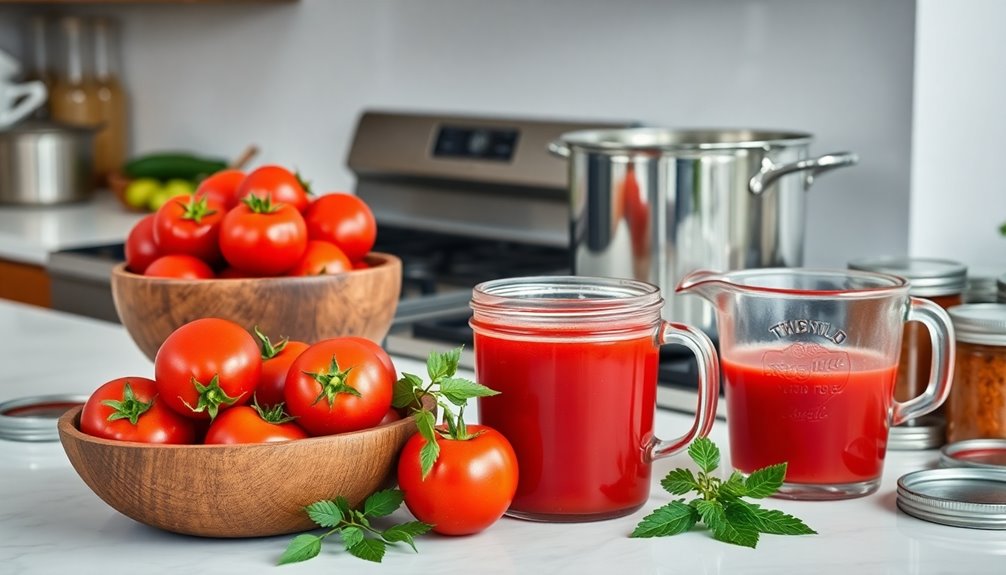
(958, 496)
(926, 432)
(981, 323)
(34, 418)
(928, 277)
(981, 453)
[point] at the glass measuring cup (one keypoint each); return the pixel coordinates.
(809, 359)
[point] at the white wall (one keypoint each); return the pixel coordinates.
(292, 78)
(958, 191)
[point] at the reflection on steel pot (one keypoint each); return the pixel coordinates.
(655, 204)
(45, 163)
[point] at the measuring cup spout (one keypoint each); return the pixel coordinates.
(705, 283)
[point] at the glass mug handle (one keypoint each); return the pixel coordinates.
(709, 386)
(941, 334)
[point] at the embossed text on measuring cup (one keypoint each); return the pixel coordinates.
(824, 329)
(809, 375)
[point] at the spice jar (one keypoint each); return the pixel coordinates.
(976, 408)
(942, 282)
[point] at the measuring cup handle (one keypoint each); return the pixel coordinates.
(709, 386)
(941, 334)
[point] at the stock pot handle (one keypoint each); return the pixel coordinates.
(558, 148)
(770, 172)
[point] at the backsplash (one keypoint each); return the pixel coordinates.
(292, 78)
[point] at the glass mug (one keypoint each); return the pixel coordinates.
(575, 361)
(809, 360)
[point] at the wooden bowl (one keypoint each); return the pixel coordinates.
(359, 302)
(233, 490)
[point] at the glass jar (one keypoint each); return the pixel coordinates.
(110, 142)
(74, 98)
(39, 60)
(942, 282)
(976, 408)
(574, 360)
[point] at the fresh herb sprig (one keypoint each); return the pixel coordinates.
(720, 507)
(359, 536)
(445, 389)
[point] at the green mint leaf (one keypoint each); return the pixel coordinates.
(404, 391)
(302, 548)
(679, 482)
(426, 422)
(765, 481)
(383, 503)
(458, 390)
(671, 519)
(740, 512)
(343, 506)
(360, 518)
(414, 528)
(778, 523)
(734, 487)
(441, 365)
(369, 549)
(737, 533)
(705, 454)
(428, 456)
(711, 512)
(325, 513)
(351, 536)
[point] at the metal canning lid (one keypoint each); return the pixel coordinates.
(34, 418)
(928, 277)
(981, 453)
(926, 432)
(981, 323)
(958, 496)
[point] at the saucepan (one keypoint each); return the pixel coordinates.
(654, 204)
(44, 163)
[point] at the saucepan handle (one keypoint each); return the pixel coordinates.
(771, 172)
(709, 386)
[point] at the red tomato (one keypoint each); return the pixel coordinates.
(390, 417)
(246, 424)
(189, 225)
(222, 187)
(470, 486)
(321, 258)
(345, 220)
(141, 249)
(278, 183)
(340, 384)
(262, 238)
(207, 365)
(127, 409)
(276, 361)
(232, 274)
(179, 266)
(360, 265)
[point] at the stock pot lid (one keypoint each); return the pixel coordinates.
(44, 127)
(663, 139)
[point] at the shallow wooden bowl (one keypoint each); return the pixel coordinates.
(359, 302)
(233, 490)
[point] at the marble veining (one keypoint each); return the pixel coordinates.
(50, 522)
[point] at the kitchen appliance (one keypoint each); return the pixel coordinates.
(654, 204)
(43, 163)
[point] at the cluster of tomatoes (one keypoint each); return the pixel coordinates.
(261, 224)
(213, 384)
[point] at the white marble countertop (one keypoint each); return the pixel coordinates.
(50, 522)
(29, 233)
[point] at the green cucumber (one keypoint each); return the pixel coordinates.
(166, 166)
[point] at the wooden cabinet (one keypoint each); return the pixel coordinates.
(25, 283)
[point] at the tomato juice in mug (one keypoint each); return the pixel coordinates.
(575, 362)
